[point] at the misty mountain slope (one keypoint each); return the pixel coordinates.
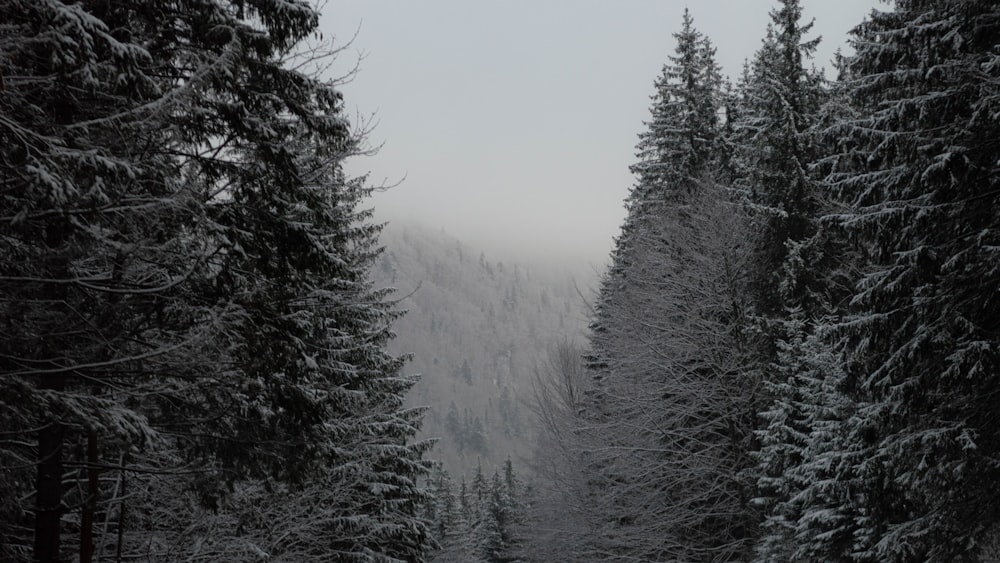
(478, 329)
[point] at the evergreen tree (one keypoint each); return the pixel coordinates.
(500, 514)
(682, 140)
(795, 271)
(104, 250)
(923, 344)
(774, 144)
(185, 274)
(675, 153)
(491, 542)
(805, 489)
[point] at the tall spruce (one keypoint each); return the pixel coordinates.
(805, 488)
(807, 481)
(774, 147)
(680, 144)
(682, 140)
(925, 81)
(103, 246)
(184, 277)
(676, 150)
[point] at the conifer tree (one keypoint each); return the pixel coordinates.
(185, 272)
(774, 147)
(923, 339)
(806, 496)
(682, 136)
(795, 270)
(675, 153)
(104, 249)
(805, 485)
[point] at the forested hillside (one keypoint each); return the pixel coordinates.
(480, 331)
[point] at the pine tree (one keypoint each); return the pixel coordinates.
(795, 269)
(490, 532)
(775, 147)
(103, 249)
(681, 141)
(924, 351)
(804, 483)
(500, 515)
(185, 272)
(675, 153)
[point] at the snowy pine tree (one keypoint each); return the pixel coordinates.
(924, 350)
(806, 489)
(103, 253)
(185, 280)
(681, 141)
(774, 147)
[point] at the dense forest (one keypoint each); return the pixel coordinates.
(793, 354)
(193, 361)
(480, 333)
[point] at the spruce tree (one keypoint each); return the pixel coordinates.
(682, 139)
(923, 329)
(775, 146)
(806, 490)
(104, 249)
(184, 272)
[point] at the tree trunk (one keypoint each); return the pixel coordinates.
(121, 514)
(48, 495)
(90, 503)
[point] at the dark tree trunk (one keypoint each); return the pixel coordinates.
(90, 503)
(48, 495)
(121, 513)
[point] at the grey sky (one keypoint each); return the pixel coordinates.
(514, 123)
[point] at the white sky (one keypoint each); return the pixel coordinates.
(514, 122)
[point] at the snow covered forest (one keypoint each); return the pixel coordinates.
(480, 331)
(794, 354)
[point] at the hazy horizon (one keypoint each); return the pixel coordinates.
(512, 125)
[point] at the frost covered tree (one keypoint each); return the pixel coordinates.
(925, 81)
(103, 245)
(665, 434)
(806, 490)
(800, 273)
(563, 524)
(185, 277)
(442, 509)
(675, 152)
(500, 516)
(671, 423)
(774, 147)
(682, 136)
(681, 140)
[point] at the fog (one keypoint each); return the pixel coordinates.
(511, 125)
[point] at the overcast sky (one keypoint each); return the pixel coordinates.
(512, 123)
